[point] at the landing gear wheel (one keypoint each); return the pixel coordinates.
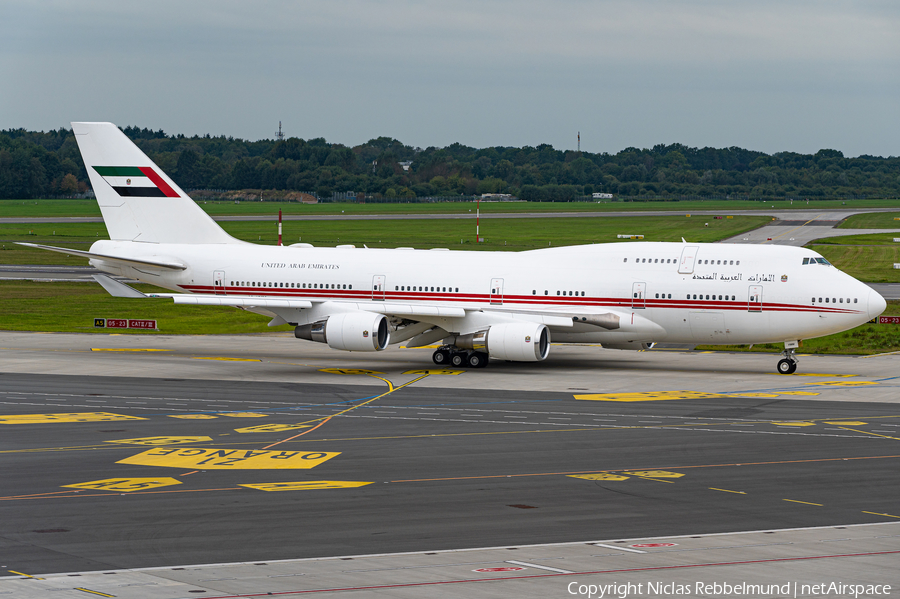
(458, 359)
(787, 366)
(440, 357)
(478, 360)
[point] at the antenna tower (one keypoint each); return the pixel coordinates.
(279, 136)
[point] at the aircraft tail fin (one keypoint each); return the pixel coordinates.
(138, 201)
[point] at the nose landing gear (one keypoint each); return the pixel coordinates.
(788, 365)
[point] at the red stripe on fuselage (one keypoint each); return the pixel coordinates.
(157, 180)
(509, 300)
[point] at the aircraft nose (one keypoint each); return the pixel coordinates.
(876, 304)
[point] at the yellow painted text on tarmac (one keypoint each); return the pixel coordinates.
(126, 485)
(601, 476)
(445, 372)
(308, 485)
(271, 428)
(348, 371)
(65, 417)
(162, 440)
(230, 459)
(194, 416)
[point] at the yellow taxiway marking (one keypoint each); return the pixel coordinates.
(25, 575)
(625, 475)
(348, 371)
(93, 592)
(194, 416)
(865, 512)
(869, 433)
(271, 428)
(755, 394)
(161, 440)
(65, 417)
(442, 372)
(125, 349)
(728, 491)
(804, 502)
(846, 422)
(649, 396)
(654, 474)
(230, 459)
(795, 423)
(798, 393)
(243, 414)
(308, 485)
(223, 359)
(125, 485)
(844, 383)
(601, 476)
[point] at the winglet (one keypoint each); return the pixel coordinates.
(117, 289)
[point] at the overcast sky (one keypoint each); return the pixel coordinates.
(773, 76)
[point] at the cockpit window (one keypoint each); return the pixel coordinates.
(806, 261)
(822, 261)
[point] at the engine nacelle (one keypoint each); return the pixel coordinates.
(634, 345)
(350, 331)
(518, 342)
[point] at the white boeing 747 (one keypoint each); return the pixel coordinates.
(479, 305)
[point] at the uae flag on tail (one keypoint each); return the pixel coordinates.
(140, 181)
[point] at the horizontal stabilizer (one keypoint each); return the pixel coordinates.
(114, 259)
(117, 289)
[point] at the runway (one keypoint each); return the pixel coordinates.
(124, 452)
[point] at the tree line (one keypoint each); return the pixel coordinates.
(39, 164)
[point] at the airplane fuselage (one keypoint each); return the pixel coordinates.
(695, 293)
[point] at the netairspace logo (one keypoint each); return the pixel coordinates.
(724, 589)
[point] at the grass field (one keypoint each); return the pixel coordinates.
(511, 234)
(867, 339)
(872, 264)
(72, 307)
(873, 220)
(65, 208)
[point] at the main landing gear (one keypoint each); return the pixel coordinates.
(452, 355)
(788, 365)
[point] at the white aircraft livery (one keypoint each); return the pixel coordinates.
(478, 305)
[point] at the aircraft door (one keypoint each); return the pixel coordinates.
(688, 256)
(378, 287)
(754, 303)
(219, 282)
(496, 291)
(638, 291)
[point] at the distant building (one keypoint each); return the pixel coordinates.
(602, 196)
(406, 164)
(498, 197)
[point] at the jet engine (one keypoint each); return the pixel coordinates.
(518, 342)
(351, 331)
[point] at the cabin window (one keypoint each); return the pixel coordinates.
(826, 300)
(670, 296)
(842, 301)
(557, 293)
(625, 260)
(707, 297)
(855, 300)
(349, 286)
(534, 292)
(546, 292)
(457, 290)
(813, 300)
(655, 260)
(643, 260)
(304, 285)
(582, 294)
